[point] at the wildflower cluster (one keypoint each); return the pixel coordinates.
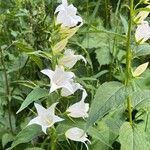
(63, 79)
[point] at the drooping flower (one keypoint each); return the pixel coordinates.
(142, 33)
(141, 16)
(69, 59)
(79, 109)
(140, 69)
(67, 15)
(60, 79)
(77, 134)
(46, 117)
(75, 86)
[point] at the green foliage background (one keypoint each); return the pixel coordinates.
(27, 34)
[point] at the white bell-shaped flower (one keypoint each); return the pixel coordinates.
(77, 134)
(79, 109)
(60, 79)
(46, 117)
(69, 59)
(75, 86)
(142, 33)
(67, 15)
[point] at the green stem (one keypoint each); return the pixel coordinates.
(7, 90)
(107, 16)
(147, 116)
(53, 140)
(129, 61)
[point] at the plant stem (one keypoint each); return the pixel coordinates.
(129, 60)
(7, 89)
(53, 140)
(147, 117)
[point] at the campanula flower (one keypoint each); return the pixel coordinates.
(69, 59)
(67, 15)
(77, 134)
(59, 79)
(142, 33)
(46, 117)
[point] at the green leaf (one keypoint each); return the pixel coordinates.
(132, 139)
(108, 96)
(141, 98)
(34, 95)
(18, 63)
(34, 148)
(142, 50)
(6, 139)
(124, 23)
(95, 40)
(23, 46)
(103, 55)
(26, 135)
(98, 134)
(93, 132)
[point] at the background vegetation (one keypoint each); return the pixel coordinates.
(27, 33)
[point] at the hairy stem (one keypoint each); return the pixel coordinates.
(7, 89)
(129, 61)
(53, 140)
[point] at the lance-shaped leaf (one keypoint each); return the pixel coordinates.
(132, 138)
(33, 96)
(26, 135)
(108, 96)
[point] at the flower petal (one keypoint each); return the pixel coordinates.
(76, 134)
(40, 109)
(59, 8)
(34, 121)
(57, 119)
(44, 128)
(78, 110)
(54, 87)
(64, 2)
(48, 72)
(51, 109)
(142, 33)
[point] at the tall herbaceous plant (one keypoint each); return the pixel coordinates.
(73, 83)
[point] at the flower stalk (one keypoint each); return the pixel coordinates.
(129, 61)
(53, 140)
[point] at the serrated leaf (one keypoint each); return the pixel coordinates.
(132, 139)
(140, 69)
(34, 95)
(26, 135)
(108, 96)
